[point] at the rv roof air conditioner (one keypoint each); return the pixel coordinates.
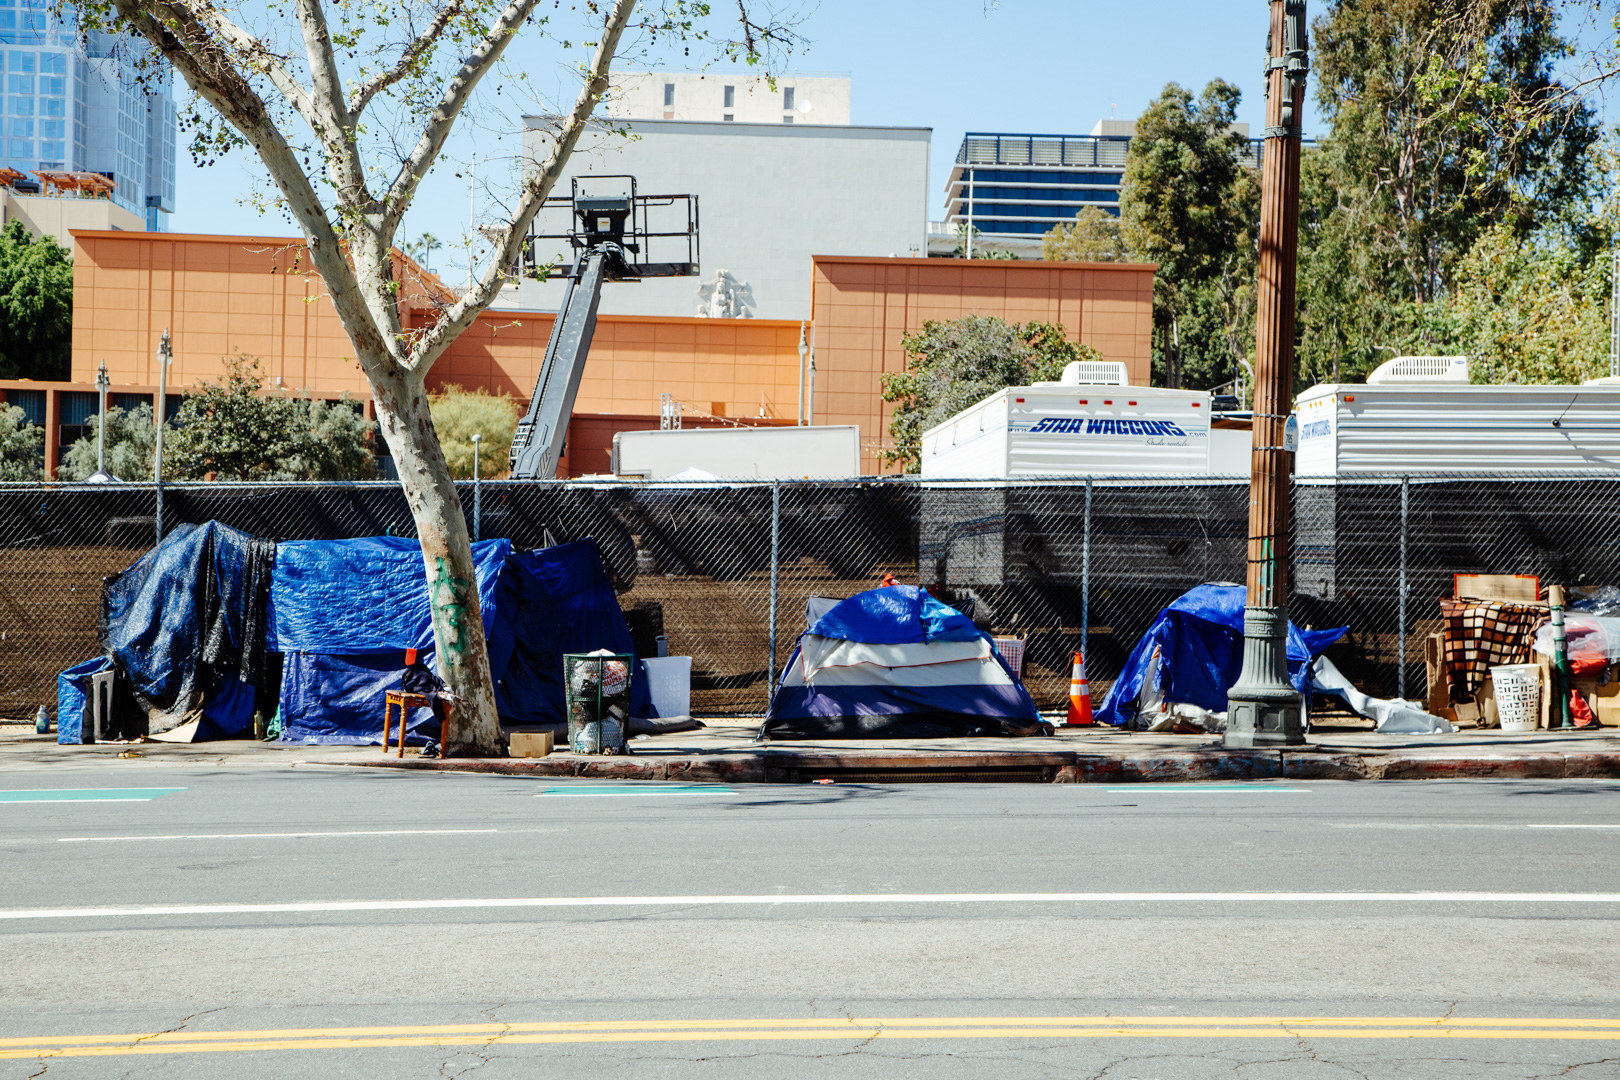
(1421, 369)
(1092, 373)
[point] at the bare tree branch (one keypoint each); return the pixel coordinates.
(407, 59)
(254, 52)
(532, 194)
(454, 99)
(207, 68)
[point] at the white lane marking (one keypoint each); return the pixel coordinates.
(271, 835)
(773, 900)
(1201, 789)
(1408, 825)
(1572, 826)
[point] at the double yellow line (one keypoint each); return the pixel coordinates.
(855, 1028)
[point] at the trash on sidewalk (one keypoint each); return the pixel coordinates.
(894, 662)
(1192, 655)
(1390, 717)
(1481, 634)
(531, 744)
(598, 700)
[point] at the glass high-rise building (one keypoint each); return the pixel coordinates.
(83, 103)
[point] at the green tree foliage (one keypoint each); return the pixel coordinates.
(951, 365)
(1189, 204)
(36, 306)
(20, 445)
(1447, 121)
(460, 414)
(131, 440)
(1523, 311)
(1093, 236)
(232, 431)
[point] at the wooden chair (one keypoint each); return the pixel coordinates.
(405, 702)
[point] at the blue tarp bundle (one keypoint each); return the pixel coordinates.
(894, 662)
(1200, 642)
(344, 612)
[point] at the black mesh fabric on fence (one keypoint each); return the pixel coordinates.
(1060, 565)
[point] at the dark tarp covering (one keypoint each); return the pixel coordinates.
(184, 628)
(1200, 642)
(558, 600)
(911, 677)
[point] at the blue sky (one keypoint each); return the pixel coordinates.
(1047, 66)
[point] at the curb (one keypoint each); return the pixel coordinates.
(1210, 764)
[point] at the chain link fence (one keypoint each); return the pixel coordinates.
(725, 570)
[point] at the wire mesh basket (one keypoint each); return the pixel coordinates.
(598, 701)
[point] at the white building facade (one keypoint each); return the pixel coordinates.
(723, 98)
(770, 196)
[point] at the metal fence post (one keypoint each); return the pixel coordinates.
(478, 493)
(1400, 661)
(1085, 576)
(776, 563)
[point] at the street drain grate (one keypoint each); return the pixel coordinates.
(946, 774)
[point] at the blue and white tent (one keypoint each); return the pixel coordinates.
(896, 663)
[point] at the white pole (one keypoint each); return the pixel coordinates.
(102, 382)
(165, 354)
(804, 350)
(970, 208)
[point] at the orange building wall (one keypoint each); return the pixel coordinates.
(861, 307)
(220, 295)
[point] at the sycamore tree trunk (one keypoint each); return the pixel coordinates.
(458, 623)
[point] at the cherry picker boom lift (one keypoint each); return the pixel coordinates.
(611, 238)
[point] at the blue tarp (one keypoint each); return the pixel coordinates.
(536, 606)
(343, 597)
(895, 615)
(1200, 643)
(72, 691)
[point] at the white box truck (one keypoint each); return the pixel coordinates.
(1062, 429)
(826, 452)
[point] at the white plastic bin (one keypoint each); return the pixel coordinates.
(1518, 696)
(669, 681)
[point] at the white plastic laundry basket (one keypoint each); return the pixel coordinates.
(1012, 651)
(1518, 696)
(669, 684)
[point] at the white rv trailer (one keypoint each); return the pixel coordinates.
(1063, 429)
(1409, 428)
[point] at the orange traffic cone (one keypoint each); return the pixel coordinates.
(1079, 696)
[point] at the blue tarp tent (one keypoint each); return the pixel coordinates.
(895, 662)
(344, 611)
(1199, 639)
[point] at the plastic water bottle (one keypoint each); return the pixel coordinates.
(42, 722)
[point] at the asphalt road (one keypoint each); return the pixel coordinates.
(160, 920)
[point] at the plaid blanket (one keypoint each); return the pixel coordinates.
(1481, 634)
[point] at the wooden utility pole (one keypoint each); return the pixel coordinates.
(1263, 708)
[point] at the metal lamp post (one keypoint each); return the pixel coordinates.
(101, 475)
(478, 492)
(1263, 708)
(165, 354)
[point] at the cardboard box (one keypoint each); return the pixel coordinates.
(529, 744)
(1437, 700)
(1602, 697)
(1514, 588)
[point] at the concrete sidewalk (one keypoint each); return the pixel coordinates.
(727, 751)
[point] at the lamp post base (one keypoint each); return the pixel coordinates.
(1263, 708)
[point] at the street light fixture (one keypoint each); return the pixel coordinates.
(101, 475)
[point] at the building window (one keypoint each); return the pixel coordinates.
(21, 106)
(731, 98)
(787, 98)
(788, 119)
(21, 84)
(19, 128)
(729, 116)
(22, 61)
(669, 94)
(20, 150)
